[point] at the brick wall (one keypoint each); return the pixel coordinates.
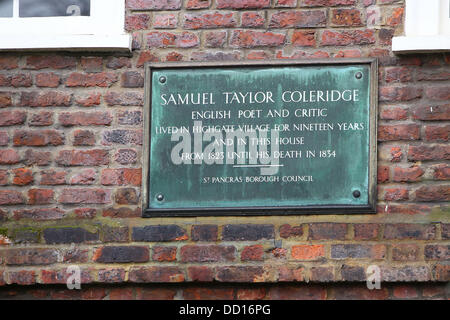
(71, 146)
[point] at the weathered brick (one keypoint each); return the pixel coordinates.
(146, 293)
(88, 100)
(40, 196)
(426, 152)
(407, 174)
(92, 64)
(93, 157)
(52, 62)
(59, 235)
(253, 253)
(9, 62)
(345, 38)
(433, 193)
(11, 118)
(205, 232)
(25, 256)
(125, 176)
(85, 196)
(298, 19)
(40, 214)
(208, 20)
(247, 232)
(164, 254)
(9, 156)
(326, 3)
(346, 17)
(122, 212)
(308, 252)
(41, 119)
(207, 253)
(111, 275)
(243, 4)
(437, 133)
(405, 252)
(38, 138)
(200, 273)
(48, 80)
(83, 177)
(410, 231)
(83, 138)
(114, 234)
(68, 119)
(253, 19)
(11, 197)
(160, 39)
(121, 254)
(287, 231)
(197, 4)
(124, 99)
(22, 277)
(45, 99)
(156, 274)
(239, 274)
(126, 156)
(153, 4)
(353, 273)
(252, 39)
(320, 231)
(437, 252)
(406, 273)
(357, 251)
(309, 292)
(103, 79)
(126, 196)
(159, 233)
(52, 177)
(441, 172)
(396, 194)
(132, 79)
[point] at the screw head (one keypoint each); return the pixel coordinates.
(356, 193)
(358, 75)
(159, 197)
(162, 79)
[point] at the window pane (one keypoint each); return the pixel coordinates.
(54, 8)
(6, 8)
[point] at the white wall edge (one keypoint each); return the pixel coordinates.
(91, 42)
(421, 44)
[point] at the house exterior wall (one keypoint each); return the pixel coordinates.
(71, 135)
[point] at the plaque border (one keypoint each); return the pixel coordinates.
(262, 211)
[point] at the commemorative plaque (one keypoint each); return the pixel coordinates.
(255, 138)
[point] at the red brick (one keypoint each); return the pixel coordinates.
(298, 19)
(345, 38)
(161, 254)
(252, 253)
(88, 100)
(304, 38)
(397, 74)
(258, 55)
(308, 252)
(125, 176)
(21, 80)
(9, 156)
(409, 231)
(304, 292)
(85, 119)
(146, 56)
(399, 93)
(51, 177)
(12, 118)
(437, 133)
(40, 196)
(405, 252)
(159, 39)
(153, 4)
(243, 4)
(326, 3)
(405, 292)
(83, 138)
(348, 53)
(441, 172)
(41, 119)
(424, 152)
(49, 80)
(438, 93)
(5, 99)
(383, 174)
(252, 19)
(197, 4)
(51, 62)
(37, 158)
(122, 293)
(357, 292)
(407, 174)
(84, 177)
(45, 99)
(200, 273)
(11, 197)
(38, 138)
(132, 79)
(138, 21)
(398, 132)
(176, 56)
(286, 3)
(320, 231)
(364, 231)
(146, 293)
(395, 113)
(251, 39)
(432, 75)
(207, 20)
(23, 277)
(155, 274)
(9, 62)
(85, 196)
(253, 293)
(3, 178)
(22, 176)
(103, 79)
(118, 63)
(287, 231)
(83, 157)
(239, 274)
(433, 193)
(396, 194)
(165, 21)
(208, 293)
(124, 99)
(215, 39)
(92, 64)
(207, 253)
(346, 17)
(396, 17)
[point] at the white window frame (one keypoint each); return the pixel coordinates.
(427, 27)
(102, 30)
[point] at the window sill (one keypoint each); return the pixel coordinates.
(421, 44)
(91, 42)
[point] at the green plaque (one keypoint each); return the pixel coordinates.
(260, 138)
